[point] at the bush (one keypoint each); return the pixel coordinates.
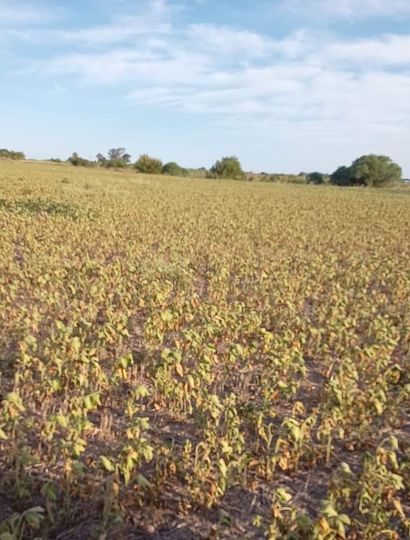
(173, 169)
(11, 154)
(115, 163)
(315, 178)
(78, 161)
(227, 167)
(283, 178)
(117, 158)
(148, 165)
(201, 172)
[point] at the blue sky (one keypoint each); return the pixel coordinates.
(286, 85)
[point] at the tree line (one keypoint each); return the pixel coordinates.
(11, 154)
(368, 170)
(118, 158)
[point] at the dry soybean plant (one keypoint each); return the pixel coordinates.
(188, 359)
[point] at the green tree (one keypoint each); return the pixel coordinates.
(101, 160)
(78, 161)
(148, 165)
(228, 167)
(341, 177)
(173, 169)
(11, 154)
(315, 178)
(117, 158)
(119, 153)
(375, 171)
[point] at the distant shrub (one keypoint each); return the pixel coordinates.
(284, 178)
(78, 161)
(315, 178)
(148, 165)
(115, 163)
(173, 169)
(11, 154)
(201, 172)
(228, 167)
(117, 158)
(55, 160)
(101, 160)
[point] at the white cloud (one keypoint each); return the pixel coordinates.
(122, 29)
(300, 84)
(149, 18)
(226, 41)
(391, 50)
(17, 14)
(347, 8)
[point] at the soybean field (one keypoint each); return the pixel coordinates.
(193, 359)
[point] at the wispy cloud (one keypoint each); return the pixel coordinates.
(122, 29)
(296, 81)
(17, 14)
(149, 18)
(304, 82)
(388, 51)
(347, 8)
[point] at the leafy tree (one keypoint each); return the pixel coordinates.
(78, 161)
(119, 154)
(370, 170)
(117, 158)
(376, 171)
(315, 178)
(11, 154)
(116, 163)
(341, 177)
(173, 169)
(148, 165)
(228, 167)
(101, 160)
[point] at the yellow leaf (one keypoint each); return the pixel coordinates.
(179, 369)
(399, 507)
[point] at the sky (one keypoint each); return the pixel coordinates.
(285, 85)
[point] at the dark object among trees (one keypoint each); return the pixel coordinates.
(341, 177)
